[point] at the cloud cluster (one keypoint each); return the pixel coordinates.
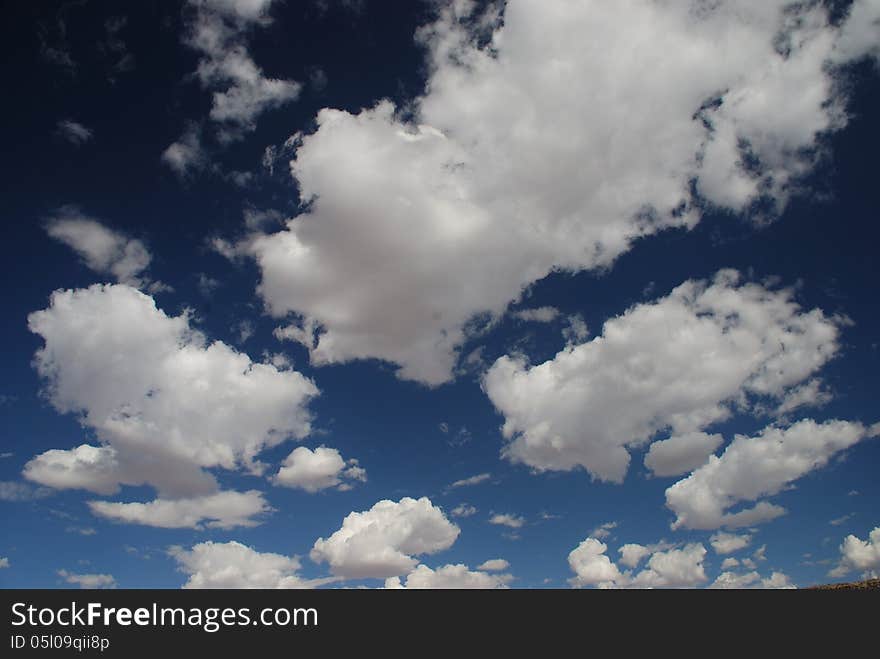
(218, 32)
(90, 581)
(666, 567)
(382, 541)
(548, 138)
(450, 576)
(234, 565)
(317, 470)
(164, 403)
(751, 468)
(680, 363)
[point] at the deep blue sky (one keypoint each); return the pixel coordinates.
(824, 244)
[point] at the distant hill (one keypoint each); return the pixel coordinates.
(868, 584)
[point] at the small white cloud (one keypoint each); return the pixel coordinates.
(88, 580)
(858, 554)
(727, 543)
(463, 510)
(508, 520)
(471, 480)
(224, 510)
(603, 530)
(666, 567)
(494, 565)
(234, 565)
(382, 541)
(187, 155)
(4, 562)
(838, 521)
(317, 470)
(449, 576)
(74, 132)
(538, 315)
(103, 250)
(729, 563)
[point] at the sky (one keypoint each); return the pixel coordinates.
(347, 293)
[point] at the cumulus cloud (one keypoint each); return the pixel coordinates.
(242, 92)
(754, 467)
(74, 132)
(88, 580)
(317, 470)
(666, 567)
(733, 580)
(494, 565)
(858, 554)
(679, 363)
(729, 562)
(508, 520)
(418, 226)
(164, 403)
(222, 510)
(381, 542)
(727, 543)
(682, 453)
(103, 250)
(234, 565)
(450, 576)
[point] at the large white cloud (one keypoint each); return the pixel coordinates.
(222, 510)
(858, 554)
(449, 576)
(381, 542)
(164, 403)
(102, 249)
(573, 130)
(317, 470)
(679, 363)
(666, 567)
(755, 467)
(234, 565)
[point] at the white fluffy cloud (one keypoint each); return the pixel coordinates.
(381, 542)
(508, 520)
(165, 404)
(222, 510)
(450, 576)
(88, 580)
(539, 315)
(727, 543)
(186, 155)
(317, 470)
(417, 227)
(463, 510)
(4, 562)
(234, 565)
(754, 467)
(682, 453)
(494, 565)
(858, 554)
(666, 567)
(103, 250)
(733, 580)
(218, 31)
(678, 363)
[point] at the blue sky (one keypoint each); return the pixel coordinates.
(346, 294)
